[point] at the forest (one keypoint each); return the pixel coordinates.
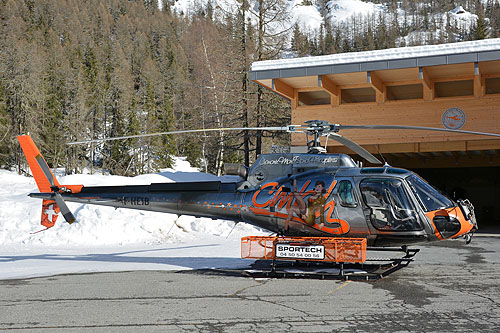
(74, 70)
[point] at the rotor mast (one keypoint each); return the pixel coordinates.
(317, 128)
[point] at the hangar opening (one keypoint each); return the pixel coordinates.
(479, 184)
(454, 86)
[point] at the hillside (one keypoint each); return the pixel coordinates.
(74, 70)
(411, 22)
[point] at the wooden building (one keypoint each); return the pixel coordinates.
(455, 86)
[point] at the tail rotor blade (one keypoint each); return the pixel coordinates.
(45, 168)
(68, 216)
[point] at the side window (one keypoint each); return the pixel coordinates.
(389, 204)
(346, 194)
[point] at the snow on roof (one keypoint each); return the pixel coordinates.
(458, 10)
(381, 55)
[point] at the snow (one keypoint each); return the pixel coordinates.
(108, 239)
(342, 10)
(380, 55)
(458, 10)
(462, 16)
(188, 7)
(307, 16)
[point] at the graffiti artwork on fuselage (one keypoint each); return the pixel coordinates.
(309, 203)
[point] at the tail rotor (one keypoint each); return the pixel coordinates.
(66, 212)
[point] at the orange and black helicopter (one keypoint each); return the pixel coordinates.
(299, 196)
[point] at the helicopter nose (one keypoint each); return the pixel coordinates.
(451, 223)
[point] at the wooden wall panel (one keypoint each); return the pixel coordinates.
(482, 114)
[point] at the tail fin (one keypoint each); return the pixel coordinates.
(32, 153)
(46, 182)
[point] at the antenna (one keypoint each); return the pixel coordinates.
(234, 226)
(382, 156)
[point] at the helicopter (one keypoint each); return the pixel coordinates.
(311, 194)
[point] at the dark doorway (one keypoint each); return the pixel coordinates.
(479, 185)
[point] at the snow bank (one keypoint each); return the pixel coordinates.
(105, 239)
(98, 225)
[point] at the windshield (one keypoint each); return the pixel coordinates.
(430, 198)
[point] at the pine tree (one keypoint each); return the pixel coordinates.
(52, 117)
(118, 154)
(480, 29)
(450, 34)
(133, 128)
(346, 46)
(296, 38)
(321, 40)
(329, 40)
(5, 158)
(91, 71)
(368, 40)
(166, 146)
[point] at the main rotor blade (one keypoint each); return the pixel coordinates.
(290, 128)
(420, 128)
(45, 168)
(355, 148)
(68, 216)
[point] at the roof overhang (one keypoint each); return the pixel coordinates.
(397, 58)
(374, 68)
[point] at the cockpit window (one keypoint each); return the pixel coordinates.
(389, 204)
(430, 198)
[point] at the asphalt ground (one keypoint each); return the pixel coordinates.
(450, 287)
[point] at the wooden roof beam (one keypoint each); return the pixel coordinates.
(427, 84)
(479, 86)
(283, 88)
(423, 75)
(327, 84)
(375, 81)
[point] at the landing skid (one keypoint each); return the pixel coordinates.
(372, 269)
